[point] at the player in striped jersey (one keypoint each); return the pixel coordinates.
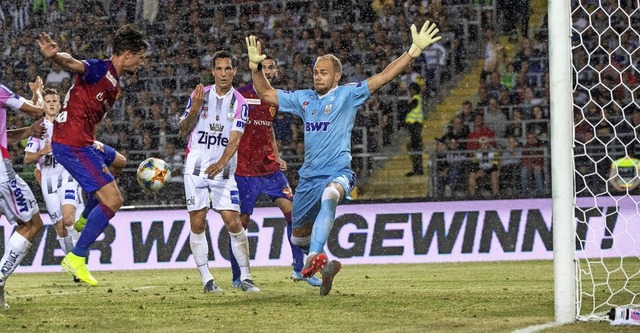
(214, 122)
(17, 202)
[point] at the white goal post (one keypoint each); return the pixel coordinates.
(562, 172)
(594, 80)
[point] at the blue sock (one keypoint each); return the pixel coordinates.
(91, 203)
(235, 268)
(297, 254)
(97, 221)
(323, 224)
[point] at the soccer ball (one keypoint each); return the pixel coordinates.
(153, 173)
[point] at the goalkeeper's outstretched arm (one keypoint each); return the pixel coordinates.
(421, 40)
(260, 83)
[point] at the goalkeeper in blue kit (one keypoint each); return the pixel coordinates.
(328, 112)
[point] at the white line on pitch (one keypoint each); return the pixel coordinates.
(538, 328)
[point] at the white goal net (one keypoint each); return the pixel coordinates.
(605, 55)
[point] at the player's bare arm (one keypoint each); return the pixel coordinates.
(30, 157)
(260, 82)
(421, 40)
(35, 107)
(36, 130)
(232, 148)
(50, 50)
(186, 125)
(282, 164)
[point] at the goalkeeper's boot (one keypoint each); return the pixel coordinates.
(212, 287)
(328, 273)
(314, 264)
(312, 281)
(80, 223)
(236, 283)
(76, 266)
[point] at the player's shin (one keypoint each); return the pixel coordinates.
(200, 250)
(97, 221)
(324, 221)
(296, 252)
(16, 249)
(240, 249)
(235, 268)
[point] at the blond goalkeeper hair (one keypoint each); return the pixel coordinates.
(337, 65)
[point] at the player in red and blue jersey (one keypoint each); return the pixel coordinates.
(94, 91)
(260, 169)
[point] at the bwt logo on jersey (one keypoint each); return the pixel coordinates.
(21, 202)
(212, 140)
(316, 126)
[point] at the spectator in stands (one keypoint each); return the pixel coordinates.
(467, 114)
(508, 78)
(491, 54)
(504, 98)
(56, 75)
(434, 58)
(540, 125)
(510, 160)
(532, 164)
(413, 121)
(457, 164)
(484, 166)
(481, 98)
(457, 130)
(493, 85)
(315, 20)
(479, 131)
(515, 128)
(495, 119)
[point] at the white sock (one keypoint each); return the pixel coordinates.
(63, 244)
(74, 235)
(240, 248)
(16, 249)
(200, 251)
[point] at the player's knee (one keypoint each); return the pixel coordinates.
(301, 241)
(35, 224)
(330, 193)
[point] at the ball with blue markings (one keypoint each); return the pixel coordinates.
(153, 174)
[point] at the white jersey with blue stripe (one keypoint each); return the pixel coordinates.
(328, 121)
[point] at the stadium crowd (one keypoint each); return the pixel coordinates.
(497, 145)
(184, 35)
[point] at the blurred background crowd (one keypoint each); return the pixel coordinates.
(495, 144)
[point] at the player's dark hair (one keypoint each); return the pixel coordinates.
(224, 54)
(275, 62)
(414, 87)
(129, 38)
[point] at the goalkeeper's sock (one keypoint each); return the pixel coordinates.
(97, 221)
(324, 221)
(297, 254)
